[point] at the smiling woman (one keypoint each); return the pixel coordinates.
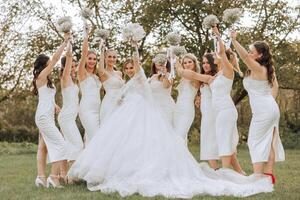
(184, 112)
(44, 117)
(264, 141)
(89, 107)
(111, 79)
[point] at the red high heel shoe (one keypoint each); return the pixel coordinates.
(272, 177)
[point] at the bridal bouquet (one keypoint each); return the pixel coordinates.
(232, 15)
(133, 32)
(86, 13)
(179, 51)
(160, 59)
(64, 24)
(210, 21)
(173, 38)
(101, 34)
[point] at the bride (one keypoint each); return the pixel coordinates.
(136, 151)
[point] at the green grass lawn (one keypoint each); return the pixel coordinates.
(18, 172)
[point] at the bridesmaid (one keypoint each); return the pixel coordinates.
(208, 141)
(111, 79)
(226, 113)
(68, 114)
(187, 89)
(224, 109)
(89, 83)
(161, 86)
(41, 156)
(44, 117)
(262, 86)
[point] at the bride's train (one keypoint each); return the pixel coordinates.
(136, 151)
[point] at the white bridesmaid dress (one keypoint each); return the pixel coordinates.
(184, 112)
(44, 119)
(135, 151)
(208, 139)
(226, 115)
(89, 107)
(163, 99)
(265, 119)
(112, 87)
(67, 121)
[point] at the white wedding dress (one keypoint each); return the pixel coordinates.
(135, 151)
(163, 99)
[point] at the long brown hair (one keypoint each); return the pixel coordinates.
(40, 64)
(62, 65)
(154, 69)
(265, 60)
(63, 61)
(213, 67)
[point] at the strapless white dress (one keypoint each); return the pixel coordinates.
(208, 140)
(163, 99)
(226, 115)
(89, 107)
(67, 121)
(44, 119)
(184, 113)
(112, 87)
(265, 118)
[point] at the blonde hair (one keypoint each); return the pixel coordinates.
(95, 67)
(106, 53)
(110, 51)
(193, 58)
(127, 61)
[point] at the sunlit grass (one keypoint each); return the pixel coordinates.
(18, 172)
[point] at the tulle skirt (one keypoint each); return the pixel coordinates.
(136, 151)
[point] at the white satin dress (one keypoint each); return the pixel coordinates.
(44, 119)
(226, 116)
(184, 113)
(67, 121)
(208, 138)
(265, 121)
(89, 107)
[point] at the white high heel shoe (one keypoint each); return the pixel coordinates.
(39, 181)
(51, 183)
